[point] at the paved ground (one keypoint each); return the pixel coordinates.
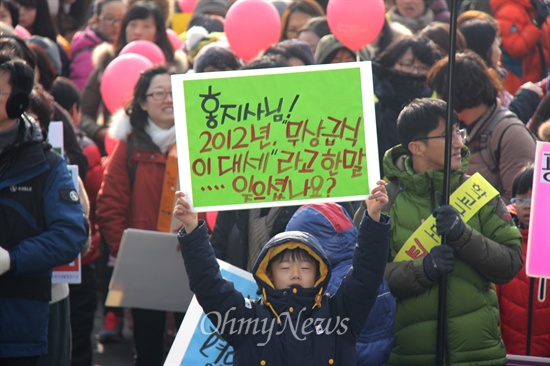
(115, 354)
(121, 353)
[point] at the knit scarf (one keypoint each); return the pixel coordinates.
(163, 138)
(414, 24)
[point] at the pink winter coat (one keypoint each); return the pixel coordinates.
(82, 47)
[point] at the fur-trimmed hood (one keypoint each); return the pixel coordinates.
(102, 55)
(105, 53)
(122, 130)
(120, 127)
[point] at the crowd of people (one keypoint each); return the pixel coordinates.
(331, 260)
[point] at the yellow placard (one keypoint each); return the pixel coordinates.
(180, 22)
(468, 199)
(169, 187)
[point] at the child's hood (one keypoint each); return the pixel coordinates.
(291, 240)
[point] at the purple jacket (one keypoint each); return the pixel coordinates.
(82, 47)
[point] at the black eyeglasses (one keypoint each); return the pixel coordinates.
(159, 95)
(520, 202)
(110, 21)
(459, 134)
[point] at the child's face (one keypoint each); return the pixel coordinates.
(293, 273)
(524, 211)
(5, 15)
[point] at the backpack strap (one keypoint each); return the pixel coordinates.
(131, 164)
(497, 151)
(393, 188)
(490, 158)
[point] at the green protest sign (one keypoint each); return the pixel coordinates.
(276, 137)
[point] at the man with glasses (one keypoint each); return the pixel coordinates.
(499, 142)
(484, 250)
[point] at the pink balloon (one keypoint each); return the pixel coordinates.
(187, 6)
(174, 39)
(251, 26)
(145, 48)
(21, 32)
(355, 23)
(109, 143)
(119, 79)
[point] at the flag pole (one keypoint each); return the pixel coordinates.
(441, 352)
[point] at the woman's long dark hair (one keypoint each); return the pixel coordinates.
(43, 25)
(13, 9)
(142, 11)
(138, 117)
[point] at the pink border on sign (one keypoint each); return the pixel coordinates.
(538, 249)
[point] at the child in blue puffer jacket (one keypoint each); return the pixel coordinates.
(295, 322)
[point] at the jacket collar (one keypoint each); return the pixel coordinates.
(398, 166)
(26, 153)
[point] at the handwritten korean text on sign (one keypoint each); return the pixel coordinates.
(272, 136)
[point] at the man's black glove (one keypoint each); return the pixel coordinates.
(440, 261)
(541, 9)
(448, 222)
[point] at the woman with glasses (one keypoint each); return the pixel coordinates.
(131, 197)
(103, 27)
(499, 142)
(297, 13)
(524, 310)
(399, 74)
(143, 21)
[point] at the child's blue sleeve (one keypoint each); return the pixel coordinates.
(357, 292)
(216, 295)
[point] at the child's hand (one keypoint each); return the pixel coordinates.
(377, 200)
(182, 211)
